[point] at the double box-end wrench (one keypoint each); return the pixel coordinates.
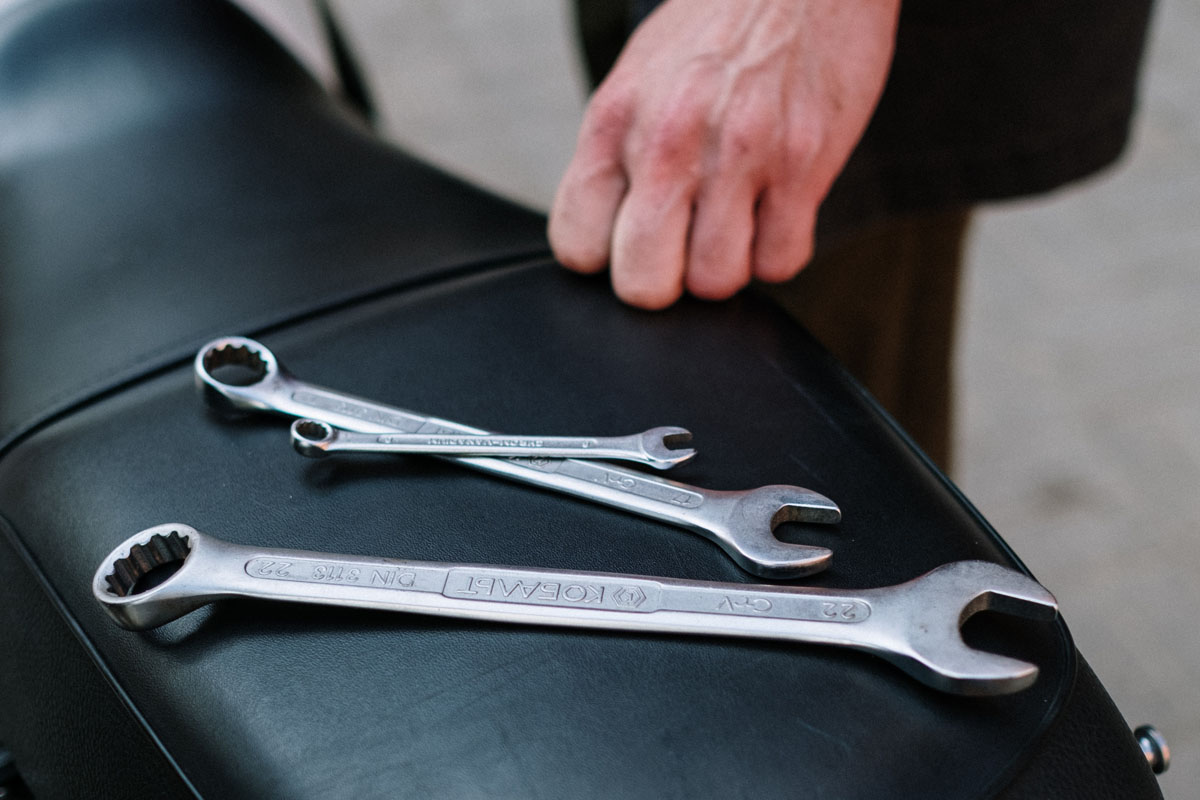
(915, 625)
(657, 447)
(742, 523)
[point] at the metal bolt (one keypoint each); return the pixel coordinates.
(1154, 746)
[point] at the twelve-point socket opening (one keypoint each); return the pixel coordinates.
(312, 430)
(235, 365)
(149, 564)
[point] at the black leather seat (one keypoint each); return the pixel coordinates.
(168, 175)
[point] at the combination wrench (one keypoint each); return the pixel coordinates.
(742, 523)
(657, 447)
(915, 625)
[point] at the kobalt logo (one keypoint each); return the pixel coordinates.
(629, 596)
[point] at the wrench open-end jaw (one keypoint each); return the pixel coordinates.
(926, 618)
(170, 570)
(238, 375)
(664, 447)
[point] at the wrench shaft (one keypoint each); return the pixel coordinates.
(315, 439)
(524, 594)
(365, 416)
(544, 446)
(915, 624)
(647, 495)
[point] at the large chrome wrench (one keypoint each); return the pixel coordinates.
(742, 523)
(915, 625)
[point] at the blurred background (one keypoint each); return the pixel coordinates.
(1078, 433)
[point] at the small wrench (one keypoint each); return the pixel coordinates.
(657, 447)
(742, 523)
(915, 625)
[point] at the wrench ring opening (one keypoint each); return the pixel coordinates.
(148, 565)
(310, 437)
(235, 364)
(312, 430)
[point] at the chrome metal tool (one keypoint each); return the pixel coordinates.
(742, 523)
(170, 570)
(657, 447)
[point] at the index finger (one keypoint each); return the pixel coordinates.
(585, 206)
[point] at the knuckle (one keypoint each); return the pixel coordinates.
(608, 113)
(784, 261)
(777, 271)
(802, 143)
(574, 248)
(579, 257)
(748, 132)
(709, 279)
(648, 296)
(714, 287)
(672, 140)
(784, 242)
(670, 137)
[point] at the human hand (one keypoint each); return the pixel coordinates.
(705, 154)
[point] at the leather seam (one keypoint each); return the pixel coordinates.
(163, 359)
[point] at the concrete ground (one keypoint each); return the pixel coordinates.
(1079, 371)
